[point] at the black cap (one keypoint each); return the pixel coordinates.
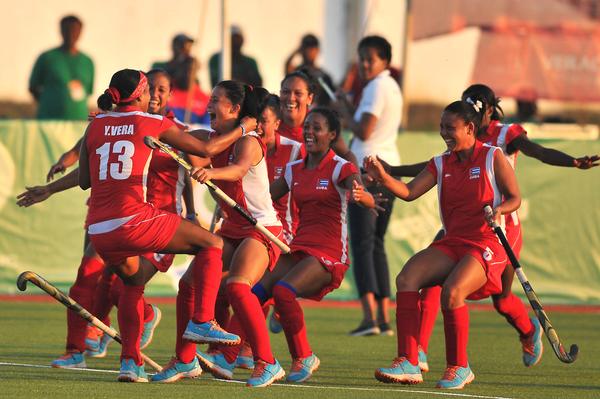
(182, 38)
(309, 41)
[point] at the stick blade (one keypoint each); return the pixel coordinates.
(23, 279)
(150, 142)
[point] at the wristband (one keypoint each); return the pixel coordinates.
(243, 129)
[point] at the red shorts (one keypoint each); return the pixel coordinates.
(489, 253)
(515, 239)
(148, 231)
(333, 266)
(162, 262)
(236, 235)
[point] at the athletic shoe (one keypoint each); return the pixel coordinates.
(216, 364)
(265, 374)
(274, 323)
(303, 368)
(209, 332)
(92, 338)
(69, 360)
(402, 371)
(131, 372)
(177, 370)
(245, 360)
(365, 329)
(385, 329)
(423, 365)
(102, 347)
(532, 345)
(456, 377)
(149, 328)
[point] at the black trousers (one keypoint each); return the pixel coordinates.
(367, 231)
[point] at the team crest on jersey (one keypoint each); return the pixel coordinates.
(474, 172)
(322, 184)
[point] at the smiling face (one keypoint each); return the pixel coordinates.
(160, 92)
(369, 63)
(295, 98)
(457, 134)
(317, 134)
(221, 110)
(268, 123)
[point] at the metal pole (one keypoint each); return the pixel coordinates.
(225, 65)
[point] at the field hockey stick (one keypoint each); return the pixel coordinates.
(154, 144)
(557, 346)
(326, 88)
(215, 218)
(75, 307)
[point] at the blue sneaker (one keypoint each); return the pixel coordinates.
(456, 377)
(92, 338)
(101, 349)
(245, 359)
(423, 365)
(131, 372)
(209, 332)
(177, 370)
(402, 371)
(69, 361)
(302, 369)
(216, 364)
(274, 324)
(532, 346)
(265, 374)
(149, 328)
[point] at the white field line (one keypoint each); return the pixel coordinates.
(326, 387)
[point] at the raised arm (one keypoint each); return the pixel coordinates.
(551, 156)
(37, 194)
(66, 160)
(408, 192)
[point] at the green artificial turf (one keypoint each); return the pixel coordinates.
(33, 333)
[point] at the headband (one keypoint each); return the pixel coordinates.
(115, 95)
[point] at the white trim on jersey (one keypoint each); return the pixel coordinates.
(179, 187)
(112, 114)
(145, 176)
(491, 175)
(107, 226)
(439, 165)
(296, 146)
(335, 175)
(288, 173)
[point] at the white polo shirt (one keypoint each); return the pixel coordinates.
(382, 98)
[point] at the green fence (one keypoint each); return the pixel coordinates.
(560, 216)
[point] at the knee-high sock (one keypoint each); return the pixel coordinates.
(222, 313)
(408, 317)
(231, 351)
(185, 350)
(292, 320)
(82, 292)
(207, 269)
(115, 294)
(102, 301)
(247, 309)
(130, 315)
(513, 309)
(456, 330)
(430, 306)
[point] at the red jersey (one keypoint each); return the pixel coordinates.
(285, 151)
(322, 204)
(464, 188)
(294, 133)
(166, 178)
(119, 162)
(251, 192)
(501, 135)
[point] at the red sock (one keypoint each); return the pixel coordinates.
(207, 269)
(82, 292)
(131, 311)
(185, 350)
(408, 317)
(148, 311)
(513, 309)
(456, 330)
(222, 313)
(249, 312)
(115, 291)
(292, 320)
(102, 301)
(430, 306)
(231, 351)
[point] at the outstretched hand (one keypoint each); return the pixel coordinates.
(374, 168)
(33, 195)
(586, 162)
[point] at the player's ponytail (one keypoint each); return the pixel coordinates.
(242, 95)
(125, 86)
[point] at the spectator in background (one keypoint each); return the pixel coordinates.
(243, 68)
(309, 51)
(374, 125)
(353, 84)
(187, 102)
(63, 78)
(526, 106)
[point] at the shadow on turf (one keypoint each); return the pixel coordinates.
(530, 385)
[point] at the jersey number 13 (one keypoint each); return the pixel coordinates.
(121, 169)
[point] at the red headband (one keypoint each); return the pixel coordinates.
(115, 95)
